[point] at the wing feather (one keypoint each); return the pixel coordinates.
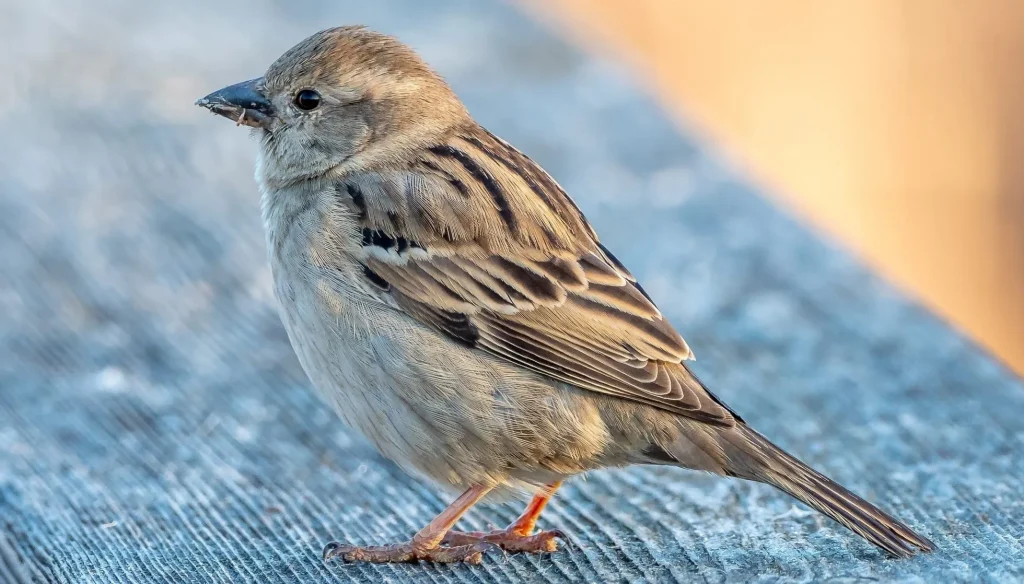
(482, 245)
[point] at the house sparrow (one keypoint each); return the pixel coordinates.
(453, 304)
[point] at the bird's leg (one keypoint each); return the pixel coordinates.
(426, 544)
(519, 536)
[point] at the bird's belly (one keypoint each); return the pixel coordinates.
(439, 410)
(337, 352)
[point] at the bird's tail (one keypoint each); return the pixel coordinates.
(767, 463)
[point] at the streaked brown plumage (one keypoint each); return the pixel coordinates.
(452, 302)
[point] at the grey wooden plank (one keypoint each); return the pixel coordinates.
(155, 426)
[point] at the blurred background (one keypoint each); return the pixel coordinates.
(895, 126)
(155, 424)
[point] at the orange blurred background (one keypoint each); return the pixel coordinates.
(896, 126)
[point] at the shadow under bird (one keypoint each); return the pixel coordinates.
(452, 303)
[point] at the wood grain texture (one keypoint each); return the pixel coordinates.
(155, 425)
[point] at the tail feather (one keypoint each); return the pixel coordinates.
(767, 463)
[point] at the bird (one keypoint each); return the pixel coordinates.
(450, 301)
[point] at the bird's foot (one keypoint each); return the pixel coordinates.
(471, 553)
(512, 540)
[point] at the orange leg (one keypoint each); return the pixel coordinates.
(519, 536)
(526, 522)
(425, 545)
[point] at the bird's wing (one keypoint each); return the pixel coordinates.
(477, 241)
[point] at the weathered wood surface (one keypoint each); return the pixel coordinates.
(155, 425)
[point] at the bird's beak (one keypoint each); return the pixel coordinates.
(243, 103)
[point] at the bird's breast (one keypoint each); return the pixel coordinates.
(331, 323)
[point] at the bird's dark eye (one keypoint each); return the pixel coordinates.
(307, 99)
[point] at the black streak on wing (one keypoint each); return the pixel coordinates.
(378, 238)
(454, 325)
(615, 261)
(460, 328)
(658, 331)
(546, 182)
(376, 279)
(523, 173)
(642, 291)
(656, 452)
(539, 287)
(560, 271)
(528, 178)
(458, 184)
(485, 178)
(713, 396)
(396, 221)
(357, 199)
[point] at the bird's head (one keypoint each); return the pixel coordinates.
(344, 96)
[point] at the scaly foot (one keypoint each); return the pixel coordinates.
(471, 553)
(511, 540)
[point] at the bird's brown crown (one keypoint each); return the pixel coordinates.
(350, 56)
